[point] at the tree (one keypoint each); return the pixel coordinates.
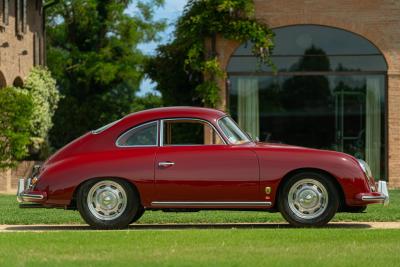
(176, 84)
(93, 53)
(16, 110)
(188, 57)
(146, 102)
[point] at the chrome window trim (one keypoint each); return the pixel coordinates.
(134, 128)
(161, 142)
(161, 133)
(105, 127)
(218, 121)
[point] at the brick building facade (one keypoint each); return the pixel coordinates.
(21, 39)
(374, 22)
(21, 47)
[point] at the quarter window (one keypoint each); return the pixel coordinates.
(143, 135)
(189, 132)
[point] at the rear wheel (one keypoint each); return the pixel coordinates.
(308, 199)
(356, 209)
(138, 215)
(107, 203)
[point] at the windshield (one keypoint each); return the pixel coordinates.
(234, 134)
(105, 127)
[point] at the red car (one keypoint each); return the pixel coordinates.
(190, 159)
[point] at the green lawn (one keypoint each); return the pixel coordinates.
(11, 214)
(229, 247)
(198, 247)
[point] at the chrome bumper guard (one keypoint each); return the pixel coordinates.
(384, 194)
(24, 184)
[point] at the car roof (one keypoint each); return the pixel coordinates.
(176, 112)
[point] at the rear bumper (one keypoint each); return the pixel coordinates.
(381, 196)
(26, 192)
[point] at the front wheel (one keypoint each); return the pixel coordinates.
(308, 199)
(107, 203)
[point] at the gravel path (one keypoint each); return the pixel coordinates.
(342, 225)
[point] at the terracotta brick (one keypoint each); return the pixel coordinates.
(9, 177)
(17, 53)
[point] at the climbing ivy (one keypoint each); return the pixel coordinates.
(205, 20)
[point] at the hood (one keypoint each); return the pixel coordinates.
(285, 147)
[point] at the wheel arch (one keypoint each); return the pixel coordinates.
(76, 190)
(287, 176)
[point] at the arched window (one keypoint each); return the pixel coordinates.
(3, 82)
(328, 91)
(18, 82)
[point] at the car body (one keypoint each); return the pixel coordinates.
(187, 158)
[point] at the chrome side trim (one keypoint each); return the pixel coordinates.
(211, 203)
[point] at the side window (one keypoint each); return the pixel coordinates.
(189, 132)
(143, 135)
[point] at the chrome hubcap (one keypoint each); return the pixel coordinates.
(107, 200)
(308, 198)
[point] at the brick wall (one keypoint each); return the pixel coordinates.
(375, 20)
(9, 178)
(17, 52)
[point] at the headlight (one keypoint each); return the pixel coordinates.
(365, 167)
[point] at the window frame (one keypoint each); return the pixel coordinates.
(5, 12)
(136, 127)
(161, 132)
(250, 140)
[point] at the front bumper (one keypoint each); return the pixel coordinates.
(381, 196)
(26, 192)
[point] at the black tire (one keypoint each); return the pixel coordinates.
(323, 214)
(138, 215)
(124, 218)
(356, 209)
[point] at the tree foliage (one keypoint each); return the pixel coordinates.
(204, 20)
(147, 101)
(93, 53)
(16, 112)
(45, 97)
(167, 68)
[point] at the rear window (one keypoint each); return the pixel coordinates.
(143, 135)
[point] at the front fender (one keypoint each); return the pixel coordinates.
(277, 164)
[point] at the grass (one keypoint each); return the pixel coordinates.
(228, 247)
(11, 214)
(198, 247)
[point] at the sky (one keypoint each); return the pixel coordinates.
(169, 12)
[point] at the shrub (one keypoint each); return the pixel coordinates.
(45, 96)
(16, 112)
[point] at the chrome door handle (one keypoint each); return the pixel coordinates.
(166, 164)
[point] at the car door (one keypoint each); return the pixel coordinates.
(194, 167)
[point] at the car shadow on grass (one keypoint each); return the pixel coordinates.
(199, 226)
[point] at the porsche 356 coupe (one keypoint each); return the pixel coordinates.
(191, 159)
